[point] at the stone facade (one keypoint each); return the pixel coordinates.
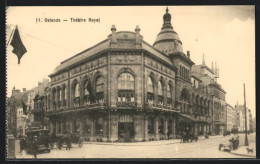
(231, 117)
(124, 89)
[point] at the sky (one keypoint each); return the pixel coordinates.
(225, 34)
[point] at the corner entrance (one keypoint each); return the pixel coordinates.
(125, 131)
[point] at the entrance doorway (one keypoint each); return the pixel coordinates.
(125, 131)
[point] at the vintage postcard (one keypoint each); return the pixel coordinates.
(130, 82)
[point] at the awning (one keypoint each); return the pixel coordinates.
(220, 123)
(187, 117)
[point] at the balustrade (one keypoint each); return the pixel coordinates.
(126, 104)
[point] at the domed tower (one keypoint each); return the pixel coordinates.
(167, 40)
(169, 43)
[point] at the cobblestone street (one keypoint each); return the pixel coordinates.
(204, 148)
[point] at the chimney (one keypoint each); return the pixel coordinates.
(113, 29)
(188, 54)
(137, 29)
(24, 90)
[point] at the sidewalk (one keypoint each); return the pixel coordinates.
(242, 150)
(148, 143)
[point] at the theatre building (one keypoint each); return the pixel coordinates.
(124, 89)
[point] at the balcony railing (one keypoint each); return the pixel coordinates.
(126, 104)
(150, 102)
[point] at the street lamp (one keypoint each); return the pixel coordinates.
(246, 139)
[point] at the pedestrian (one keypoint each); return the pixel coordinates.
(60, 142)
(237, 142)
(68, 142)
(168, 135)
(182, 137)
(196, 137)
(22, 145)
(232, 143)
(35, 147)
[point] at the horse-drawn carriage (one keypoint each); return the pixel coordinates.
(188, 137)
(66, 139)
(43, 142)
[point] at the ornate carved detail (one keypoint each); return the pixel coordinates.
(90, 65)
(59, 77)
(158, 66)
(125, 57)
(114, 118)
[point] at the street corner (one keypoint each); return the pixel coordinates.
(245, 151)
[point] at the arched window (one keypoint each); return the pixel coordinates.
(205, 108)
(54, 98)
(126, 87)
(76, 90)
(150, 90)
(169, 94)
(76, 95)
(49, 101)
(160, 93)
(65, 93)
(184, 95)
(150, 85)
(64, 96)
(100, 89)
(86, 92)
(201, 106)
(208, 108)
(60, 95)
(185, 100)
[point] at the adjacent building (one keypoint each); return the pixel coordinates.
(241, 111)
(15, 116)
(36, 103)
(231, 118)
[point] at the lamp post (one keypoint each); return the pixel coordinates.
(246, 139)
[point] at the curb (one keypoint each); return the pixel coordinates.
(244, 155)
(133, 143)
(118, 144)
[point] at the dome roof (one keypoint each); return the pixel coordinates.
(167, 40)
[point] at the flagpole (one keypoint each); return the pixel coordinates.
(246, 139)
(10, 38)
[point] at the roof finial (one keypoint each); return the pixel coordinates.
(167, 18)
